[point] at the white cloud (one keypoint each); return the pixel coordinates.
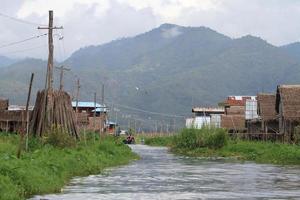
(88, 22)
(171, 32)
(41, 7)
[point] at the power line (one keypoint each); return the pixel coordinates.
(24, 50)
(140, 110)
(25, 40)
(150, 112)
(20, 20)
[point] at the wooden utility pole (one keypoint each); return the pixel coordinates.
(77, 96)
(61, 77)
(27, 109)
(103, 115)
(48, 101)
(174, 126)
(49, 76)
(27, 120)
(95, 107)
(102, 96)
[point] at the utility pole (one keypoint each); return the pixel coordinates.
(135, 125)
(77, 96)
(95, 107)
(27, 110)
(27, 121)
(103, 115)
(49, 76)
(102, 96)
(62, 69)
(174, 126)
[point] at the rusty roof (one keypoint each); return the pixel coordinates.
(266, 106)
(208, 109)
(289, 97)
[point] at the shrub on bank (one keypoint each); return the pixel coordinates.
(47, 167)
(213, 138)
(59, 137)
(159, 141)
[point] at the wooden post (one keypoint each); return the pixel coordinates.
(174, 126)
(95, 107)
(50, 27)
(77, 96)
(27, 110)
(61, 77)
(135, 125)
(84, 134)
(48, 104)
(27, 120)
(102, 115)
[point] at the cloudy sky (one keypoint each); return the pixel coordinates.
(92, 22)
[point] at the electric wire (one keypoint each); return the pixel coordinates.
(24, 50)
(20, 20)
(21, 41)
(136, 109)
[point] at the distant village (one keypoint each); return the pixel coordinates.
(90, 116)
(274, 116)
(266, 116)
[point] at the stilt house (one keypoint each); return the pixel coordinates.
(234, 117)
(288, 109)
(267, 112)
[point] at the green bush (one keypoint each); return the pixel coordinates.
(297, 135)
(159, 141)
(47, 168)
(213, 138)
(59, 137)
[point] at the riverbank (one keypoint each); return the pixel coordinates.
(46, 168)
(257, 151)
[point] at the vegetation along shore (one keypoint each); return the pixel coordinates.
(216, 143)
(51, 162)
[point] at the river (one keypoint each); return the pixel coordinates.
(161, 175)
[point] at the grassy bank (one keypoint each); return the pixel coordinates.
(159, 141)
(47, 168)
(215, 143)
(260, 152)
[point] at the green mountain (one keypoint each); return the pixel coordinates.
(167, 70)
(293, 50)
(5, 61)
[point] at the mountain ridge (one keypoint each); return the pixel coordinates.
(174, 67)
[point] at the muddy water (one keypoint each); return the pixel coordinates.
(161, 175)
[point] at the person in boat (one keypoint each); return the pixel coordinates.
(130, 139)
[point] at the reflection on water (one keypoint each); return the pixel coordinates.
(160, 175)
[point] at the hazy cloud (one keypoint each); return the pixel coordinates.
(88, 22)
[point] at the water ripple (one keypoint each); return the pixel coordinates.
(161, 175)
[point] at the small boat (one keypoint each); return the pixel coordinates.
(129, 140)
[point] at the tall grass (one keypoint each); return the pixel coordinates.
(159, 141)
(46, 167)
(215, 143)
(196, 138)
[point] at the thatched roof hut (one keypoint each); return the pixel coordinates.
(12, 115)
(234, 122)
(266, 106)
(288, 102)
(3, 104)
(235, 110)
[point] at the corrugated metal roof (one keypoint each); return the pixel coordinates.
(238, 100)
(111, 122)
(208, 110)
(87, 104)
(17, 107)
(103, 109)
(90, 104)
